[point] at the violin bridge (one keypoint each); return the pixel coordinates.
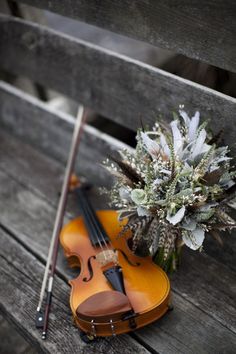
(107, 257)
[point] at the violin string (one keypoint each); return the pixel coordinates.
(88, 216)
(94, 222)
(95, 228)
(93, 217)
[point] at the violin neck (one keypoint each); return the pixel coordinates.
(97, 234)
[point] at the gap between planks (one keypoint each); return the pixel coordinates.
(33, 163)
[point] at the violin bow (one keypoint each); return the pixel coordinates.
(48, 278)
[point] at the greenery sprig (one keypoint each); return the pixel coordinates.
(175, 188)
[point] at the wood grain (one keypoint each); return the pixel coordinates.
(200, 318)
(21, 275)
(11, 341)
(113, 85)
(201, 30)
(50, 132)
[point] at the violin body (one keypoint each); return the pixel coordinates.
(99, 309)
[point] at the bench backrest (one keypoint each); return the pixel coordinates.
(116, 86)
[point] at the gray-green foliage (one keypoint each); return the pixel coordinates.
(181, 181)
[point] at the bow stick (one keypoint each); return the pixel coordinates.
(42, 317)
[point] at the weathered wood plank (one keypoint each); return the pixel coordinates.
(21, 275)
(200, 30)
(50, 132)
(187, 331)
(11, 341)
(31, 222)
(116, 86)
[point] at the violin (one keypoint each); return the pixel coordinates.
(116, 290)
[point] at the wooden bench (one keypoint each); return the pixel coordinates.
(34, 143)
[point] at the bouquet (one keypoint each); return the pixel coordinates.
(177, 186)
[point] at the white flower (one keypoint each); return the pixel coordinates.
(176, 218)
(194, 239)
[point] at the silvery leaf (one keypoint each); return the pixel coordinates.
(193, 125)
(177, 137)
(189, 224)
(142, 211)
(205, 212)
(138, 196)
(157, 181)
(162, 202)
(165, 171)
(205, 148)
(164, 145)
(185, 117)
(208, 206)
(151, 146)
(194, 239)
(184, 192)
(228, 184)
(175, 219)
(197, 149)
(223, 158)
(124, 193)
(232, 204)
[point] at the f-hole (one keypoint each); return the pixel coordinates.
(86, 279)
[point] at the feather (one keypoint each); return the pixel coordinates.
(136, 223)
(128, 171)
(216, 236)
(211, 178)
(221, 226)
(224, 217)
(216, 138)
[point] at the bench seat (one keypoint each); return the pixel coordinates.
(204, 316)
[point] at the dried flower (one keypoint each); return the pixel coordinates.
(175, 187)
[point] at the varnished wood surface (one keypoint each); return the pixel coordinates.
(146, 285)
(118, 87)
(198, 29)
(200, 323)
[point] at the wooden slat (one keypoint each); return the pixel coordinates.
(200, 318)
(118, 87)
(50, 132)
(21, 274)
(199, 30)
(11, 341)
